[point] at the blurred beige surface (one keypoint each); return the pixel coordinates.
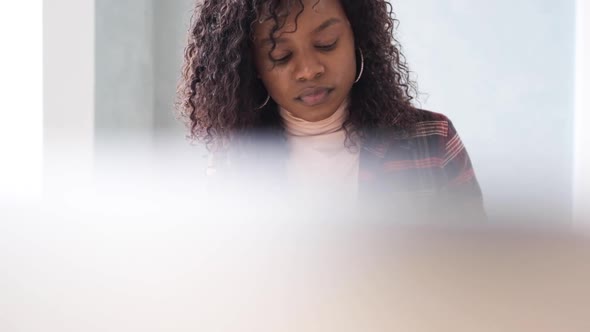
(412, 280)
(121, 272)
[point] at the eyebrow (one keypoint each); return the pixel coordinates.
(328, 23)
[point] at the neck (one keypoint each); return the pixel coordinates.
(298, 127)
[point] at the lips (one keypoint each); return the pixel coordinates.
(314, 96)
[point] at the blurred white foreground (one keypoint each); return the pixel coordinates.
(140, 246)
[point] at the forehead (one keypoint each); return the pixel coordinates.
(296, 16)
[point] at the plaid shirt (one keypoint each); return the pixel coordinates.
(423, 173)
(427, 170)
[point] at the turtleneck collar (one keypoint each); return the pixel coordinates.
(295, 126)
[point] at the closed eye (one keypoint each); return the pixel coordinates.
(286, 58)
(282, 60)
(327, 47)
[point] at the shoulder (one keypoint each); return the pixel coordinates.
(428, 135)
(430, 123)
(418, 123)
(426, 127)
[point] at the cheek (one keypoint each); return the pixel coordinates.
(346, 64)
(277, 85)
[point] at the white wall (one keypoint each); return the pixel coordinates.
(125, 67)
(171, 26)
(139, 48)
(503, 71)
(582, 119)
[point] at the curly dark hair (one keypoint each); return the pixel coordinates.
(219, 91)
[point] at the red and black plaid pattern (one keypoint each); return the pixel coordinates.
(429, 164)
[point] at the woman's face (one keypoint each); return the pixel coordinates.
(313, 66)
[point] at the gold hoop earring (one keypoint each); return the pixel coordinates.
(362, 66)
(265, 103)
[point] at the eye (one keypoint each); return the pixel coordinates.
(327, 47)
(282, 60)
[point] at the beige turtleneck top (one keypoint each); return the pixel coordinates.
(318, 161)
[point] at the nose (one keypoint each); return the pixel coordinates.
(309, 68)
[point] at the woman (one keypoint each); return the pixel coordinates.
(323, 85)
